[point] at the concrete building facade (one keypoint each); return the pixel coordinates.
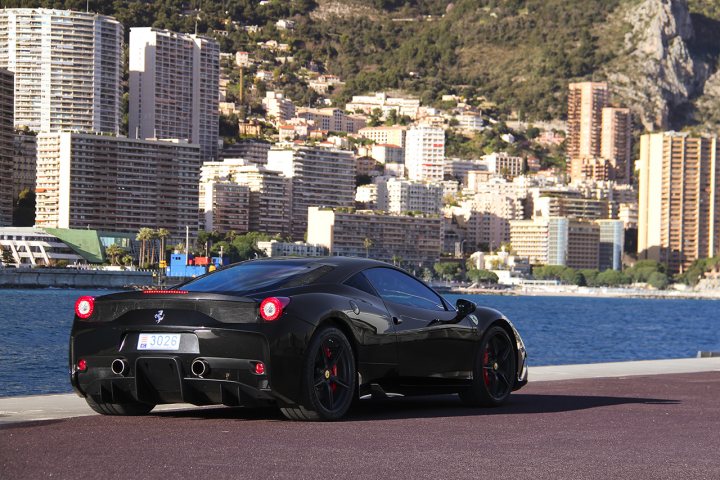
(273, 248)
(407, 240)
(7, 132)
(67, 68)
(394, 135)
(116, 183)
(174, 81)
(586, 101)
(425, 153)
(267, 201)
(319, 176)
(403, 106)
(332, 119)
(679, 198)
(24, 162)
(616, 142)
(401, 196)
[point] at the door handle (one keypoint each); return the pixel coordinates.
(396, 320)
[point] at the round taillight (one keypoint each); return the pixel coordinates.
(82, 365)
(272, 307)
(84, 307)
(259, 368)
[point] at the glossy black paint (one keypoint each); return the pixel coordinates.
(398, 348)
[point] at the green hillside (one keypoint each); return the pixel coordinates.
(518, 54)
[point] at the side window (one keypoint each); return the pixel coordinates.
(398, 287)
(360, 282)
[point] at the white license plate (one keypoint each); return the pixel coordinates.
(158, 341)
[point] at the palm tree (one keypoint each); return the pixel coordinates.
(367, 243)
(143, 236)
(162, 234)
(153, 244)
(397, 260)
(114, 251)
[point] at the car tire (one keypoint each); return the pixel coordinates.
(329, 378)
(128, 408)
(493, 371)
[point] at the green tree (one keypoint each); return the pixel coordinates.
(143, 236)
(658, 280)
(482, 276)
(163, 234)
(612, 278)
(447, 270)
(114, 251)
(7, 257)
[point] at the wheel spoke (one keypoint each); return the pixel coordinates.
(506, 354)
(331, 400)
(339, 382)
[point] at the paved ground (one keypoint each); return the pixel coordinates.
(655, 427)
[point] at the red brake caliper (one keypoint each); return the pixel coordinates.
(486, 358)
(333, 370)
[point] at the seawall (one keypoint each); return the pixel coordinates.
(71, 278)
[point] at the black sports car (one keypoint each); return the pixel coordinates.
(307, 334)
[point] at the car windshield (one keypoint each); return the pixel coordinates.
(253, 276)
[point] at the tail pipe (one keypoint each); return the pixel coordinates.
(119, 366)
(199, 368)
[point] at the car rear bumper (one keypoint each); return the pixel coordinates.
(160, 379)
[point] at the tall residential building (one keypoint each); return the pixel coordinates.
(174, 81)
(6, 146)
(402, 196)
(616, 142)
(612, 243)
(586, 101)
(24, 162)
(254, 151)
(115, 183)
(267, 203)
(411, 241)
(501, 163)
(679, 198)
(320, 176)
(224, 207)
(425, 153)
(68, 67)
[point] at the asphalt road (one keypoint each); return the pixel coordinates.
(652, 427)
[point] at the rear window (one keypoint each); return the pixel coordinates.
(257, 276)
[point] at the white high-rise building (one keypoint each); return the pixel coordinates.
(67, 68)
(320, 176)
(174, 80)
(425, 153)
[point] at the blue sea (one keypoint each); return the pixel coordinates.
(557, 330)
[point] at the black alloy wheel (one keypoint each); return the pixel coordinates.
(330, 376)
(494, 370)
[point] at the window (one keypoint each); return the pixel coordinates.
(397, 287)
(249, 277)
(361, 283)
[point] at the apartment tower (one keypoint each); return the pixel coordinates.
(320, 176)
(116, 183)
(679, 198)
(616, 142)
(67, 68)
(425, 153)
(585, 103)
(174, 81)
(6, 146)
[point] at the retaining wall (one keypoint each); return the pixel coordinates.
(71, 278)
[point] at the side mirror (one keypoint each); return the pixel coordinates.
(464, 307)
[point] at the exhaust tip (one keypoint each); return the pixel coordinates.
(199, 368)
(119, 366)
